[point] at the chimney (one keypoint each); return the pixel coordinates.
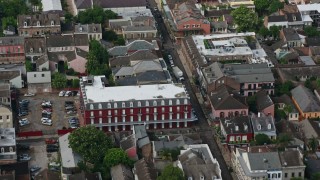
(259, 114)
(176, 6)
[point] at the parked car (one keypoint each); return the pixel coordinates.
(23, 113)
(61, 94)
(52, 149)
(24, 157)
(68, 93)
(45, 119)
(56, 169)
(29, 94)
(51, 141)
(71, 112)
(48, 123)
(74, 126)
(34, 169)
(24, 122)
(46, 112)
(23, 147)
(74, 93)
(69, 108)
(68, 103)
(47, 109)
(45, 115)
(24, 101)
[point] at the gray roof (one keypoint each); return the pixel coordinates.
(280, 18)
(121, 172)
(131, 47)
(305, 99)
(151, 77)
(216, 13)
(266, 123)
(44, 19)
(87, 28)
(127, 143)
(8, 137)
(196, 162)
(38, 45)
(5, 90)
(249, 73)
(145, 170)
(59, 41)
(264, 161)
(223, 98)
(61, 56)
(85, 4)
(287, 101)
(263, 100)
(141, 135)
(12, 40)
(290, 34)
(307, 60)
(8, 75)
(242, 122)
(69, 158)
(291, 158)
(219, 24)
(81, 40)
(139, 28)
(160, 145)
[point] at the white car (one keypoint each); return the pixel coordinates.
(61, 94)
(44, 119)
(24, 157)
(68, 93)
(46, 112)
(29, 94)
(48, 123)
(23, 122)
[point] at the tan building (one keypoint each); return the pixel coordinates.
(5, 117)
(38, 25)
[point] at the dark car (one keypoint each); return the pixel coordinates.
(23, 113)
(46, 115)
(74, 93)
(50, 149)
(34, 169)
(23, 147)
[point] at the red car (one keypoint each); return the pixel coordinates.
(51, 141)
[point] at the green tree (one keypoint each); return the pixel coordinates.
(68, 17)
(115, 156)
(288, 109)
(92, 65)
(296, 178)
(29, 67)
(59, 81)
(90, 143)
(245, 18)
(261, 6)
(264, 31)
(109, 35)
(262, 139)
(120, 41)
(275, 5)
(75, 83)
(94, 15)
(315, 176)
(171, 173)
(7, 21)
(284, 140)
(284, 88)
(318, 83)
(111, 15)
(311, 31)
(275, 31)
(313, 144)
(308, 84)
(13, 8)
(251, 101)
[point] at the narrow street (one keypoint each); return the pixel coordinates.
(206, 132)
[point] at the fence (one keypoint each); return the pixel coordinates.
(64, 131)
(30, 133)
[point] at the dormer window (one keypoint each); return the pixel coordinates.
(259, 127)
(294, 18)
(25, 24)
(52, 23)
(94, 29)
(31, 50)
(80, 29)
(38, 23)
(269, 126)
(40, 50)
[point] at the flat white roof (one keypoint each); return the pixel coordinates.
(98, 93)
(135, 13)
(51, 5)
(309, 7)
(306, 18)
(68, 157)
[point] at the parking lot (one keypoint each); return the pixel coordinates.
(59, 116)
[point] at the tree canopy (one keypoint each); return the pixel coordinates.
(95, 15)
(245, 19)
(59, 80)
(284, 88)
(115, 156)
(171, 173)
(90, 143)
(13, 8)
(262, 139)
(311, 31)
(284, 140)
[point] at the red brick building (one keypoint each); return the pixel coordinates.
(188, 20)
(12, 50)
(119, 108)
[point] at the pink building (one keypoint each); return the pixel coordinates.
(225, 103)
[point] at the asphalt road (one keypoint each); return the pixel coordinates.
(206, 132)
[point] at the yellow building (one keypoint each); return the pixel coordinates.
(247, 3)
(306, 102)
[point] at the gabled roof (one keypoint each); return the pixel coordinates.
(121, 172)
(242, 123)
(264, 161)
(62, 56)
(263, 100)
(223, 98)
(312, 41)
(131, 47)
(280, 18)
(145, 170)
(37, 44)
(287, 101)
(216, 13)
(290, 34)
(262, 123)
(305, 99)
(8, 75)
(290, 158)
(59, 41)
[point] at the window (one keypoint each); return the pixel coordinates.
(279, 175)
(109, 112)
(10, 149)
(292, 174)
(131, 104)
(123, 111)
(52, 23)
(147, 110)
(2, 150)
(162, 109)
(100, 106)
(139, 104)
(231, 138)
(147, 103)
(0, 117)
(91, 113)
(178, 108)
(170, 102)
(25, 24)
(42, 75)
(91, 106)
(147, 117)
(123, 119)
(285, 175)
(38, 23)
(300, 174)
(185, 101)
(116, 119)
(109, 105)
(155, 110)
(35, 75)
(100, 113)
(154, 103)
(162, 103)
(131, 118)
(123, 104)
(131, 111)
(115, 105)
(178, 102)
(8, 117)
(115, 112)
(170, 109)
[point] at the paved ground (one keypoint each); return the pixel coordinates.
(59, 117)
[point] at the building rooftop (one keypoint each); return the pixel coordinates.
(11, 40)
(87, 28)
(60, 41)
(264, 161)
(291, 158)
(287, 101)
(263, 100)
(98, 93)
(262, 123)
(305, 99)
(85, 4)
(141, 136)
(309, 7)
(51, 5)
(8, 137)
(290, 34)
(5, 90)
(280, 18)
(8, 75)
(131, 47)
(69, 158)
(145, 170)
(121, 172)
(237, 125)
